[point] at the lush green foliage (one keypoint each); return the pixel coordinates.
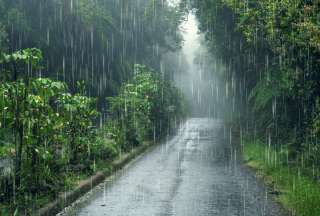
(49, 136)
(147, 107)
(46, 129)
(93, 40)
(271, 50)
(48, 125)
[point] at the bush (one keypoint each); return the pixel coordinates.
(46, 128)
(105, 149)
(146, 108)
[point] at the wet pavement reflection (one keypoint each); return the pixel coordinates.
(197, 172)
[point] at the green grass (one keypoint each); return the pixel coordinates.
(298, 193)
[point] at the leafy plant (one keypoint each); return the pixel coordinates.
(145, 108)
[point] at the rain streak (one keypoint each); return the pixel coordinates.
(159, 107)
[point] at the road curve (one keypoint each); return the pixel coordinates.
(195, 173)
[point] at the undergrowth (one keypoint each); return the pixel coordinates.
(298, 193)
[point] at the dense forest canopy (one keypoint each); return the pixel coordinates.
(271, 50)
(93, 40)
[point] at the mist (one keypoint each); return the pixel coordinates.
(196, 73)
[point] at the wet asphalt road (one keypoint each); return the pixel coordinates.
(195, 173)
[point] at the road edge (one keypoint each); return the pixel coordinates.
(86, 185)
(262, 179)
(254, 172)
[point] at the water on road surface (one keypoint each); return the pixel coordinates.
(197, 172)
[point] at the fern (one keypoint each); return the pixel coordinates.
(263, 94)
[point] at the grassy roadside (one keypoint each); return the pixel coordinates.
(298, 193)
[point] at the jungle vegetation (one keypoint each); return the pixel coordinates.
(84, 95)
(76, 87)
(49, 134)
(271, 52)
